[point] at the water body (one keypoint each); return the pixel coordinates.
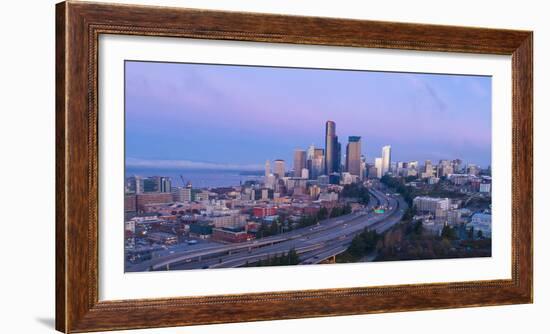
(199, 179)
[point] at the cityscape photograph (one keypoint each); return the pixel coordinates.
(232, 166)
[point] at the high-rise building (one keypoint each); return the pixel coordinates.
(428, 170)
(317, 163)
(159, 184)
(279, 168)
(353, 155)
(310, 152)
(182, 194)
(134, 185)
(363, 168)
(386, 159)
(331, 149)
(472, 169)
(270, 181)
(457, 165)
(165, 185)
(151, 184)
(445, 168)
(267, 168)
(299, 162)
(338, 158)
(265, 194)
(378, 166)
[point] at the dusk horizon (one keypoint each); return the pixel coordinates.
(265, 113)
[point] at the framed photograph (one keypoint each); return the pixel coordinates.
(223, 166)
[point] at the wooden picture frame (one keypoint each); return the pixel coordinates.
(78, 26)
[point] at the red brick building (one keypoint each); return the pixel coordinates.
(229, 235)
(264, 211)
(153, 198)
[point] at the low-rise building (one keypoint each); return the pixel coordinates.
(145, 199)
(130, 204)
(230, 235)
(431, 204)
(434, 205)
(264, 211)
(328, 197)
(485, 188)
(162, 238)
(201, 230)
(481, 222)
(454, 217)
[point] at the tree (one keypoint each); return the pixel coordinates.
(448, 233)
(347, 209)
(418, 228)
(479, 234)
(274, 228)
(356, 191)
(335, 212)
(322, 214)
(293, 257)
(357, 246)
(471, 233)
(370, 238)
(410, 178)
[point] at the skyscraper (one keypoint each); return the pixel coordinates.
(428, 170)
(363, 168)
(338, 158)
(267, 168)
(386, 159)
(353, 155)
(378, 166)
(310, 152)
(318, 163)
(279, 168)
(299, 162)
(330, 147)
(165, 185)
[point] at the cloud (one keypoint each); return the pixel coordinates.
(431, 92)
(187, 164)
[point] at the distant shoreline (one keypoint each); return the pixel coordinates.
(198, 178)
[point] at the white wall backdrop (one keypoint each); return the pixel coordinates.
(27, 72)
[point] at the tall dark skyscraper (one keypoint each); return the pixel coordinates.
(353, 155)
(332, 160)
(299, 162)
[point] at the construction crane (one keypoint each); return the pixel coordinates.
(185, 184)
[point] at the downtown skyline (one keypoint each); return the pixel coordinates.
(425, 117)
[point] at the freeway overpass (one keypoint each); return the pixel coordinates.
(324, 244)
